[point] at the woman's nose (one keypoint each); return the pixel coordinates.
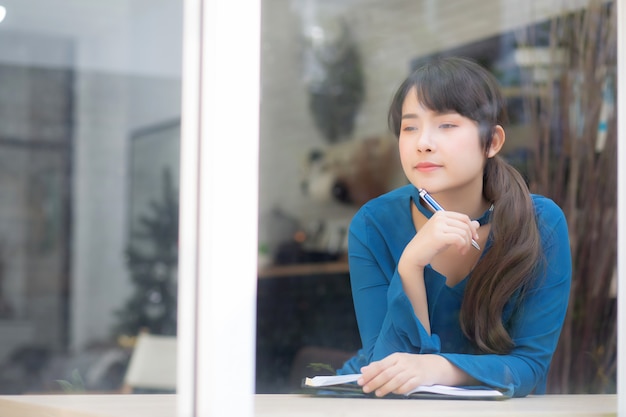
(425, 142)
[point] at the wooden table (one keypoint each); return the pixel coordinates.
(287, 405)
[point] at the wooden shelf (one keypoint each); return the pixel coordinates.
(281, 271)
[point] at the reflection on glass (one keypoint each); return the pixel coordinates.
(328, 71)
(88, 229)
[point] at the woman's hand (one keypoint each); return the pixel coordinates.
(399, 373)
(442, 230)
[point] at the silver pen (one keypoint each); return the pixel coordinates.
(434, 206)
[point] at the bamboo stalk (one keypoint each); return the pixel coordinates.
(583, 181)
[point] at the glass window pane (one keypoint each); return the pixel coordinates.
(89, 142)
(329, 70)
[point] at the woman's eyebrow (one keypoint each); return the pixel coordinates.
(409, 116)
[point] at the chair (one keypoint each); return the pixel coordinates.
(153, 365)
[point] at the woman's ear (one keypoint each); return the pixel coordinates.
(497, 141)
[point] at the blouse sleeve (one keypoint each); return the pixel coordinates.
(535, 325)
(385, 316)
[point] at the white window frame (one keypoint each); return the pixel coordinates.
(219, 205)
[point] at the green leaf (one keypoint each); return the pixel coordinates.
(318, 366)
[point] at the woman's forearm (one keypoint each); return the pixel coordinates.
(415, 290)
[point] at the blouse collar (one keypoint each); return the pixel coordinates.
(482, 220)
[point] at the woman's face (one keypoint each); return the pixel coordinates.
(439, 151)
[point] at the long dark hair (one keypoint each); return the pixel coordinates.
(507, 269)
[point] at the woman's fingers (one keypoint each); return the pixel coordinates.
(387, 376)
(452, 228)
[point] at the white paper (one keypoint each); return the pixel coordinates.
(325, 381)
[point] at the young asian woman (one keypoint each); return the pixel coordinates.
(431, 307)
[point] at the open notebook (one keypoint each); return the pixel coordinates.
(345, 385)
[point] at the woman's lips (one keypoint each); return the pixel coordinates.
(426, 166)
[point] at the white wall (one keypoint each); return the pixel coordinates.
(128, 78)
(109, 107)
(99, 277)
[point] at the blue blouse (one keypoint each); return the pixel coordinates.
(387, 323)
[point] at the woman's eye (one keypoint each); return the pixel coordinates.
(409, 128)
(447, 125)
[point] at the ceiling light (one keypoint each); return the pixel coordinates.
(3, 13)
